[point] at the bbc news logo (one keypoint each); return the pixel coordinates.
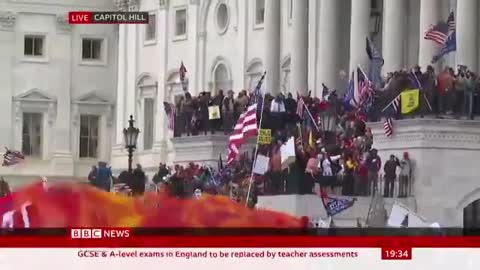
(88, 17)
(99, 233)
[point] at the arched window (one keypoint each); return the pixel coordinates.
(471, 215)
(222, 17)
(221, 79)
(146, 100)
(254, 73)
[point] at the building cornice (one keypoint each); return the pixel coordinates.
(63, 26)
(7, 20)
(122, 5)
(133, 5)
(162, 4)
(428, 134)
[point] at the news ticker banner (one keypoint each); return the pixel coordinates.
(236, 259)
(214, 238)
(107, 17)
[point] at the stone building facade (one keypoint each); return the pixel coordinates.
(58, 88)
(301, 43)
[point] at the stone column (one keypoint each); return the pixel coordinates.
(329, 46)
(300, 47)
(161, 131)
(272, 49)
(429, 14)
(59, 115)
(120, 106)
(132, 40)
(121, 121)
(359, 31)
(395, 23)
(467, 38)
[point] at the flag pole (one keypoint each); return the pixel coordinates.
(423, 93)
(313, 120)
(256, 149)
(386, 107)
(363, 72)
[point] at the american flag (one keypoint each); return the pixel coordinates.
(437, 33)
(300, 106)
(246, 128)
(449, 46)
(451, 23)
(12, 157)
(440, 32)
(394, 108)
(183, 72)
(396, 105)
(388, 127)
(171, 112)
(365, 91)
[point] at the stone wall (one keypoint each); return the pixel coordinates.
(446, 156)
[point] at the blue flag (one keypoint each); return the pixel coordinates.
(376, 63)
(349, 101)
(334, 206)
(449, 46)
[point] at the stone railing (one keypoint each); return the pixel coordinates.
(204, 149)
(445, 155)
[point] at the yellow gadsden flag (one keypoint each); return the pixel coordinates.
(410, 100)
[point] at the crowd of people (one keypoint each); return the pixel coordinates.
(443, 92)
(341, 160)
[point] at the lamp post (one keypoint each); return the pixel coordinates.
(130, 136)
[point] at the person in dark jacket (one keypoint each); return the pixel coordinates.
(228, 109)
(4, 188)
(374, 163)
(291, 108)
(139, 180)
(162, 172)
(103, 179)
(390, 170)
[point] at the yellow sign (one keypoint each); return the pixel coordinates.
(213, 112)
(410, 100)
(264, 136)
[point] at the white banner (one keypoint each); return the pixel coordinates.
(233, 259)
